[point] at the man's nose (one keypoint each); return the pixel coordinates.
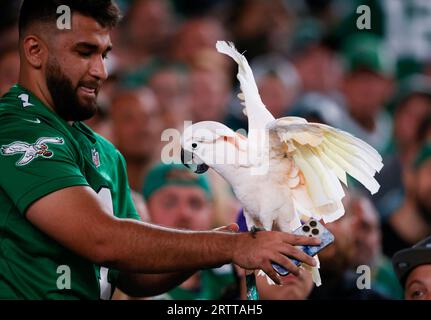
(98, 69)
(185, 213)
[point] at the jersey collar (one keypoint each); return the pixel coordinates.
(27, 100)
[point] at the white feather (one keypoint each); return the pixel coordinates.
(258, 115)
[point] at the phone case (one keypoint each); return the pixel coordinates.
(311, 228)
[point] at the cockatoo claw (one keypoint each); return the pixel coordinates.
(255, 229)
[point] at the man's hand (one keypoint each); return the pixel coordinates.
(290, 251)
(258, 251)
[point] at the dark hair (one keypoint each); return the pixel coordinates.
(105, 12)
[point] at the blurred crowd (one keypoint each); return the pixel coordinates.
(310, 59)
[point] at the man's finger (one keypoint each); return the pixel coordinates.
(233, 227)
(286, 263)
(300, 240)
(270, 272)
(296, 253)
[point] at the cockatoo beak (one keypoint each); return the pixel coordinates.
(187, 157)
(202, 168)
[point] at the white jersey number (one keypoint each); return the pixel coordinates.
(24, 98)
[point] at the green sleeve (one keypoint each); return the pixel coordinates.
(35, 160)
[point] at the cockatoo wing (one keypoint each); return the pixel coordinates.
(321, 157)
(258, 115)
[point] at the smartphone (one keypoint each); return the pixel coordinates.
(311, 228)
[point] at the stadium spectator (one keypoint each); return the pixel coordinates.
(178, 198)
(293, 288)
(411, 107)
(251, 30)
(317, 65)
(317, 107)
(366, 87)
(412, 221)
(367, 245)
(9, 24)
(148, 25)
(141, 207)
(338, 280)
(413, 267)
(209, 95)
(171, 87)
(194, 36)
(9, 68)
(136, 128)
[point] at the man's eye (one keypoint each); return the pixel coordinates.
(169, 203)
(84, 54)
(196, 204)
(417, 294)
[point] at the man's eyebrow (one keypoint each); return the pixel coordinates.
(414, 282)
(91, 46)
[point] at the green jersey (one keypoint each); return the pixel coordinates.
(41, 153)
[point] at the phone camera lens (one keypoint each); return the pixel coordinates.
(306, 228)
(313, 223)
(315, 232)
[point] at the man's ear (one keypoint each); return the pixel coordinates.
(34, 51)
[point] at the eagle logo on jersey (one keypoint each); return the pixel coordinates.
(30, 151)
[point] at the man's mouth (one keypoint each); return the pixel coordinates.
(90, 90)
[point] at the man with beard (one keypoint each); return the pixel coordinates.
(68, 227)
(367, 240)
(412, 221)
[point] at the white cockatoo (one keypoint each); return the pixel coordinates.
(287, 169)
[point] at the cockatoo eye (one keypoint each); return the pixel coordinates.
(194, 145)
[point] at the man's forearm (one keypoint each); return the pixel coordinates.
(75, 218)
(155, 249)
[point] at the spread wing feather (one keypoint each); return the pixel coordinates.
(324, 156)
